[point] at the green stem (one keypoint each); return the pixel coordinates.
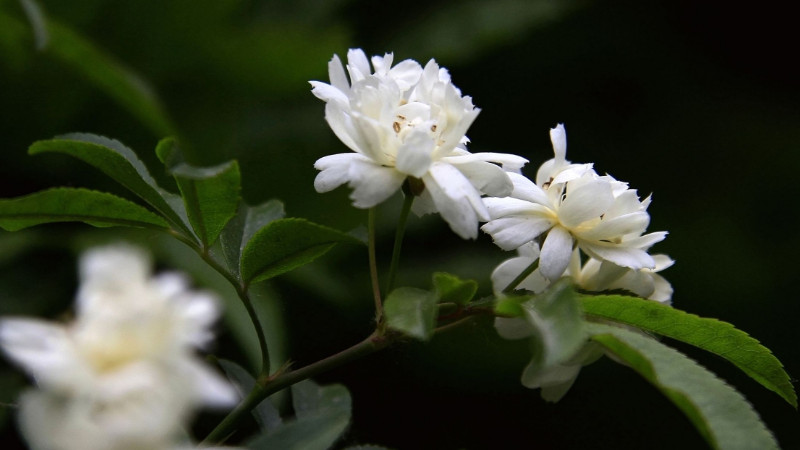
(267, 386)
(373, 266)
(408, 200)
(241, 291)
(521, 277)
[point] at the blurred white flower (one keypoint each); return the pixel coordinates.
(408, 121)
(124, 373)
(571, 205)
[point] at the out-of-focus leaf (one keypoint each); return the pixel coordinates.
(323, 413)
(285, 244)
(35, 17)
(75, 205)
(451, 289)
(265, 414)
(720, 413)
(715, 336)
(109, 75)
(412, 311)
(120, 163)
(559, 329)
(241, 228)
(463, 30)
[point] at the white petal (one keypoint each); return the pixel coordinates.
(556, 253)
(662, 262)
(406, 73)
(646, 241)
(510, 162)
(335, 170)
(414, 157)
(510, 269)
(586, 202)
(558, 136)
(328, 93)
(44, 350)
(488, 178)
(341, 123)
(337, 75)
(631, 257)
(357, 64)
(617, 227)
(372, 183)
(507, 206)
(526, 190)
(509, 233)
(456, 199)
(662, 291)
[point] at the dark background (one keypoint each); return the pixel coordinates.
(697, 104)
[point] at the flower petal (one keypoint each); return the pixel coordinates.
(510, 233)
(510, 269)
(488, 178)
(372, 183)
(556, 253)
(414, 156)
(632, 257)
(335, 170)
(456, 199)
(587, 202)
(42, 349)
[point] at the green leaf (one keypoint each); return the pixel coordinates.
(265, 414)
(720, 338)
(210, 195)
(241, 228)
(110, 76)
(451, 289)
(511, 306)
(722, 416)
(286, 244)
(412, 311)
(323, 414)
(120, 163)
(75, 205)
(559, 329)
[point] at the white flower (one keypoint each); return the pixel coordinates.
(572, 205)
(408, 121)
(124, 373)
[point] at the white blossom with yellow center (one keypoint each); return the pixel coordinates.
(124, 374)
(406, 122)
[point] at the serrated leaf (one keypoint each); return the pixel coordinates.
(117, 81)
(412, 311)
(286, 244)
(720, 413)
(559, 329)
(210, 196)
(323, 414)
(452, 289)
(241, 228)
(120, 163)
(715, 336)
(265, 414)
(75, 205)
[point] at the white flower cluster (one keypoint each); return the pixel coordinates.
(124, 374)
(408, 123)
